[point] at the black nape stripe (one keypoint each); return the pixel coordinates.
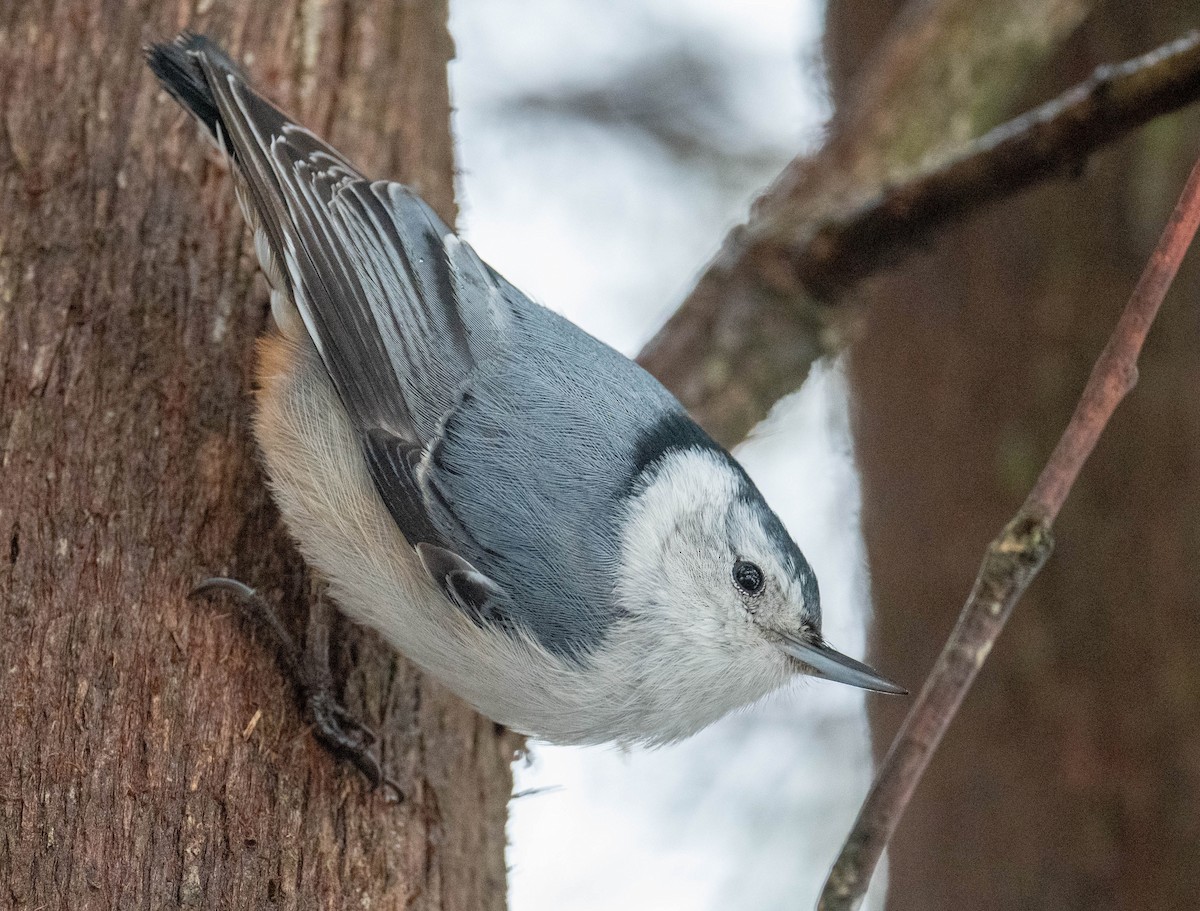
(673, 431)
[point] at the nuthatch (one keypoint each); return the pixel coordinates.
(522, 511)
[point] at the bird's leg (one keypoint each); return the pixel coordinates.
(345, 736)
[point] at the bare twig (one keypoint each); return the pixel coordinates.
(1052, 139)
(1010, 564)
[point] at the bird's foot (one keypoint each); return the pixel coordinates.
(345, 736)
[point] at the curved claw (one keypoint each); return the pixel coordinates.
(330, 723)
(255, 607)
(215, 584)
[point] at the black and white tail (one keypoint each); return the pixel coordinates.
(399, 309)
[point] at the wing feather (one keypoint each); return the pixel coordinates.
(466, 395)
(391, 299)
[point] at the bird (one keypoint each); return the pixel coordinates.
(521, 510)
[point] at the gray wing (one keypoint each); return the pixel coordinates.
(531, 473)
(397, 307)
(497, 434)
(399, 310)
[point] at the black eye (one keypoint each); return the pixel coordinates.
(748, 577)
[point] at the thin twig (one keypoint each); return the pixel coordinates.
(1010, 564)
(1052, 139)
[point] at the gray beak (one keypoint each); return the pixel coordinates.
(823, 661)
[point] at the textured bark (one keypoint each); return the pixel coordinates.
(1071, 778)
(151, 754)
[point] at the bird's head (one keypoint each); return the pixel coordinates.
(712, 567)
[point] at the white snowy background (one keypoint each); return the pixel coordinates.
(605, 149)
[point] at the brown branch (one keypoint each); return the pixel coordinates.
(757, 305)
(1010, 564)
(1052, 139)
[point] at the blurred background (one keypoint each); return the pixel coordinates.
(605, 150)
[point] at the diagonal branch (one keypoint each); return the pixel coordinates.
(1050, 140)
(1010, 564)
(947, 71)
(757, 303)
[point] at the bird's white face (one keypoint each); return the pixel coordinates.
(711, 570)
(704, 567)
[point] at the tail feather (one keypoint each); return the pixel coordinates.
(177, 67)
(187, 68)
(396, 307)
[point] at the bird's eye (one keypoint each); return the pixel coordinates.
(748, 577)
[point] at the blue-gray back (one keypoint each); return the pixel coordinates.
(535, 464)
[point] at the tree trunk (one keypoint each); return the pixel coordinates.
(151, 753)
(1071, 779)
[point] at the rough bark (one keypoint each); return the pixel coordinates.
(151, 754)
(1071, 779)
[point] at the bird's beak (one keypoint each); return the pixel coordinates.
(823, 661)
